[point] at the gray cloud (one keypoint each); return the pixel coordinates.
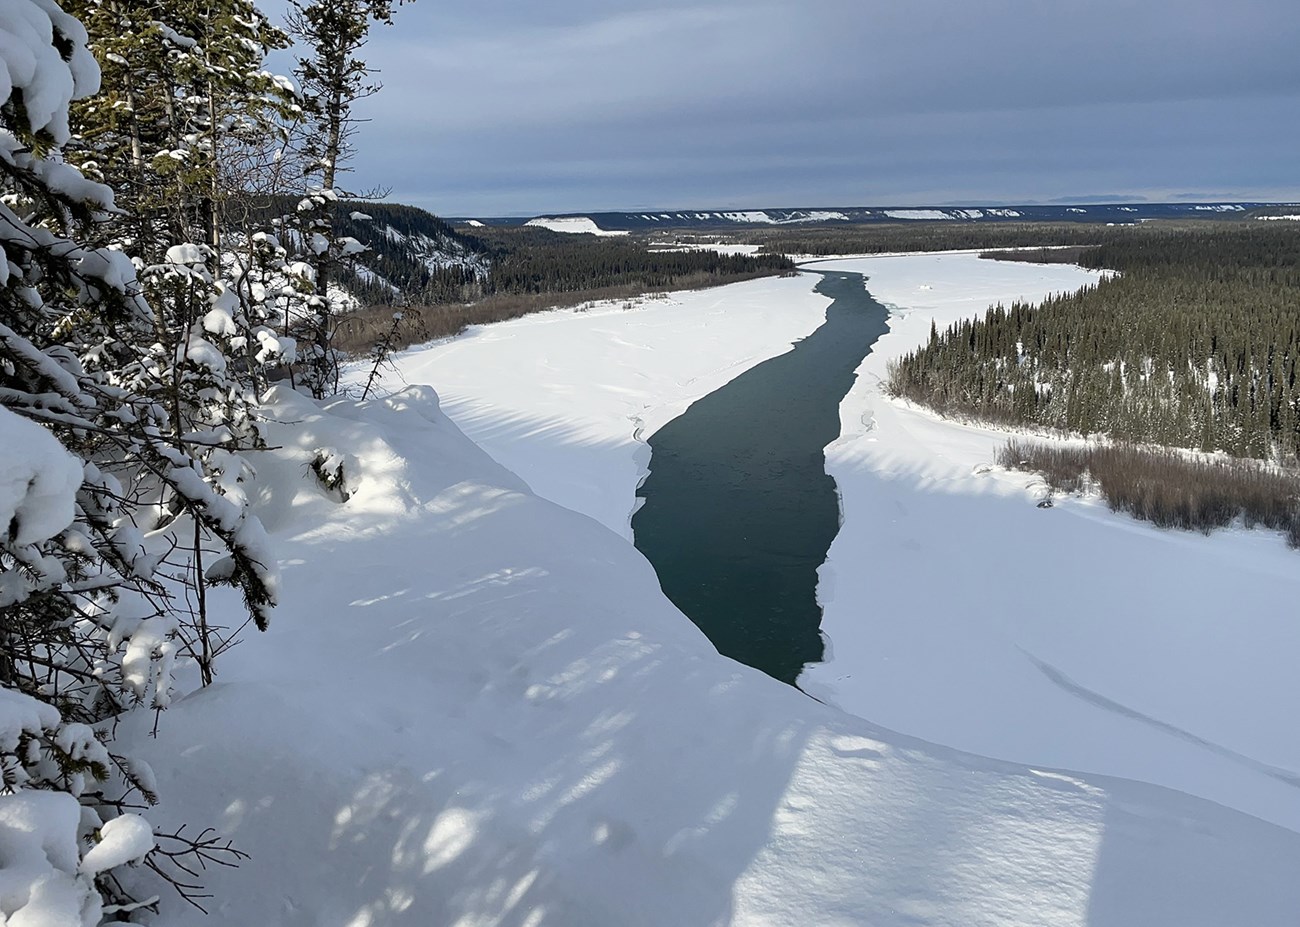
(495, 107)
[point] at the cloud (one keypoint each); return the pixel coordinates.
(573, 105)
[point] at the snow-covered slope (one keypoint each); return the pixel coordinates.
(574, 225)
(477, 708)
(717, 219)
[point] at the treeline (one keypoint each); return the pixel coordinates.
(1194, 344)
(533, 269)
(536, 260)
(957, 236)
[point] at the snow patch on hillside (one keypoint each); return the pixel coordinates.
(917, 214)
(438, 253)
(574, 225)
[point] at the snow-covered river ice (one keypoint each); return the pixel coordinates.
(952, 608)
(739, 511)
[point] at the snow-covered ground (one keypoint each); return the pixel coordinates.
(476, 707)
(721, 248)
(955, 609)
(959, 612)
(565, 399)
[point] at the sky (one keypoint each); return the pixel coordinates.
(521, 107)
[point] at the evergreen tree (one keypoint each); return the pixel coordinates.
(123, 479)
(332, 78)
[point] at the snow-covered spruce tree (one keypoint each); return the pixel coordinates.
(102, 489)
(181, 130)
(332, 78)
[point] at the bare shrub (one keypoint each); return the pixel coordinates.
(1168, 489)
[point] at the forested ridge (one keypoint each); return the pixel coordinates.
(536, 260)
(414, 258)
(1194, 343)
(932, 236)
(524, 260)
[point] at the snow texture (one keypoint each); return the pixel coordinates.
(39, 480)
(39, 882)
(124, 839)
(476, 707)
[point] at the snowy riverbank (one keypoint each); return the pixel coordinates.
(955, 609)
(959, 612)
(475, 708)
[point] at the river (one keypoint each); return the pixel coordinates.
(738, 510)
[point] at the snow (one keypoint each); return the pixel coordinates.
(1275, 218)
(125, 838)
(567, 398)
(577, 225)
(916, 214)
(719, 247)
(187, 254)
(38, 486)
(959, 612)
(788, 217)
(39, 883)
(476, 707)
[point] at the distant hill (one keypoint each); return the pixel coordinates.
(412, 253)
(417, 258)
(859, 215)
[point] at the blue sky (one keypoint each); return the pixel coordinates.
(527, 107)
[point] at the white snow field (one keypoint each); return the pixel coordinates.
(956, 610)
(959, 612)
(476, 708)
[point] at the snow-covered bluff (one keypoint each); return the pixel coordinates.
(476, 707)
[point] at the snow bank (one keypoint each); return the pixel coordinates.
(573, 225)
(959, 612)
(566, 399)
(476, 708)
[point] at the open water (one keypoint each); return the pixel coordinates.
(738, 510)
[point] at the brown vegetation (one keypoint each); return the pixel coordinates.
(1066, 255)
(1166, 488)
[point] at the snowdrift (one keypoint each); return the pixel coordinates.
(477, 708)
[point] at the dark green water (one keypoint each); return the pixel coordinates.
(738, 511)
